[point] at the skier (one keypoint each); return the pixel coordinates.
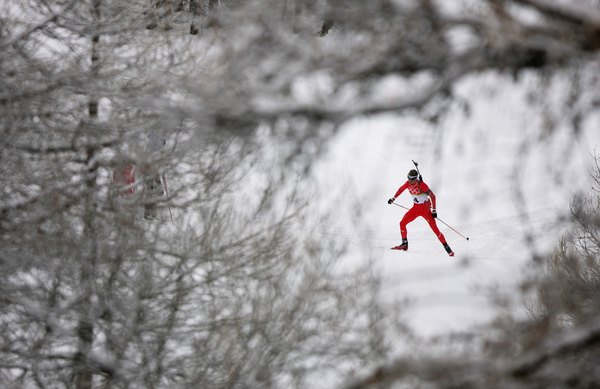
(424, 205)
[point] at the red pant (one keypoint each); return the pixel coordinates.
(424, 211)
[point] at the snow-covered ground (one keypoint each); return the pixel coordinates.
(500, 174)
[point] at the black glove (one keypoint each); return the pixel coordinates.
(391, 200)
(434, 213)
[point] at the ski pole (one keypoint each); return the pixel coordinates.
(465, 237)
(401, 206)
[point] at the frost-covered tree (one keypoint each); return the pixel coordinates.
(108, 281)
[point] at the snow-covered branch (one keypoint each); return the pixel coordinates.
(577, 13)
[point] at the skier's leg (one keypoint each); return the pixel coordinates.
(437, 232)
(434, 227)
(408, 217)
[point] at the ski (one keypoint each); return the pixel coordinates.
(403, 247)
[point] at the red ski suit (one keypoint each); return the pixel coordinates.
(424, 200)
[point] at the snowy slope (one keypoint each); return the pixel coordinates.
(499, 176)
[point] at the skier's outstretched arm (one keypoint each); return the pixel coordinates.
(398, 193)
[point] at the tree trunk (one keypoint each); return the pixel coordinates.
(83, 373)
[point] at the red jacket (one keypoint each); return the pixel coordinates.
(419, 191)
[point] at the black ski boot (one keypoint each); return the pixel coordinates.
(448, 250)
